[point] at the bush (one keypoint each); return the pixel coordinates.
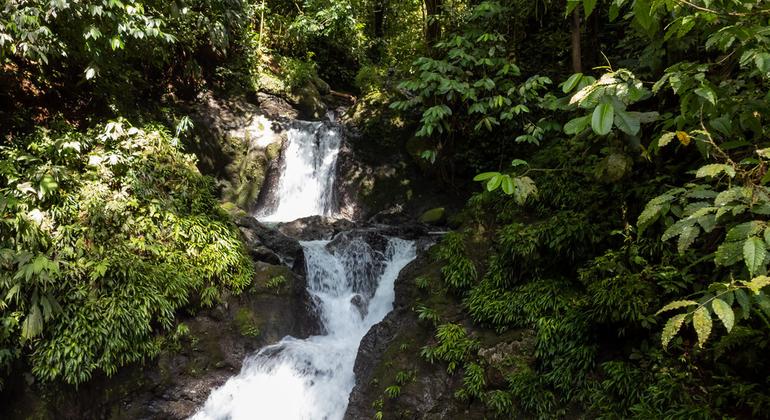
(104, 236)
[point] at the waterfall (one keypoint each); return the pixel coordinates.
(311, 379)
(306, 183)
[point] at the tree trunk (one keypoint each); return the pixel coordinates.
(433, 25)
(380, 8)
(577, 65)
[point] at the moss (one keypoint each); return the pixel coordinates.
(233, 210)
(247, 323)
(271, 83)
(273, 150)
(265, 280)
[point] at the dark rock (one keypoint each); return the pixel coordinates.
(315, 228)
(288, 249)
(276, 107)
(361, 304)
(234, 143)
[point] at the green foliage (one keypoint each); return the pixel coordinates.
(472, 85)
(104, 236)
(459, 271)
(120, 47)
(297, 72)
(453, 346)
(276, 282)
(247, 323)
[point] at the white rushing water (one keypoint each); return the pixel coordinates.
(306, 183)
(311, 379)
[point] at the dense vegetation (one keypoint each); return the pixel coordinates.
(621, 146)
(591, 180)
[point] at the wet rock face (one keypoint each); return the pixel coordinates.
(393, 346)
(270, 243)
(315, 228)
(237, 142)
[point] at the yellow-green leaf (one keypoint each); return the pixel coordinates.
(666, 139)
(714, 170)
(676, 305)
(507, 185)
(758, 283)
(724, 312)
(672, 327)
(701, 320)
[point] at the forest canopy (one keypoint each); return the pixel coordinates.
(618, 150)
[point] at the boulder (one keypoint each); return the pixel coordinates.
(308, 101)
(276, 107)
(315, 228)
(257, 234)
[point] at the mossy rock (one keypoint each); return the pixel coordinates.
(247, 322)
(308, 101)
(273, 150)
(321, 85)
(434, 216)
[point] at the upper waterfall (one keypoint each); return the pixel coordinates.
(306, 183)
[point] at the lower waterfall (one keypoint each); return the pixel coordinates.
(311, 379)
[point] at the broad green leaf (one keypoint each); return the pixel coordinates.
(754, 253)
(649, 215)
(603, 118)
(677, 228)
(672, 327)
(485, 176)
(572, 82)
(714, 170)
(701, 320)
(576, 125)
(507, 185)
(688, 236)
(708, 222)
(494, 182)
(626, 122)
(728, 253)
(33, 323)
(588, 7)
(676, 305)
(742, 231)
(724, 312)
(762, 60)
(707, 93)
(643, 13)
(518, 162)
(743, 300)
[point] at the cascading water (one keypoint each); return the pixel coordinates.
(312, 378)
(351, 279)
(306, 183)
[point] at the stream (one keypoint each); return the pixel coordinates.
(351, 281)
